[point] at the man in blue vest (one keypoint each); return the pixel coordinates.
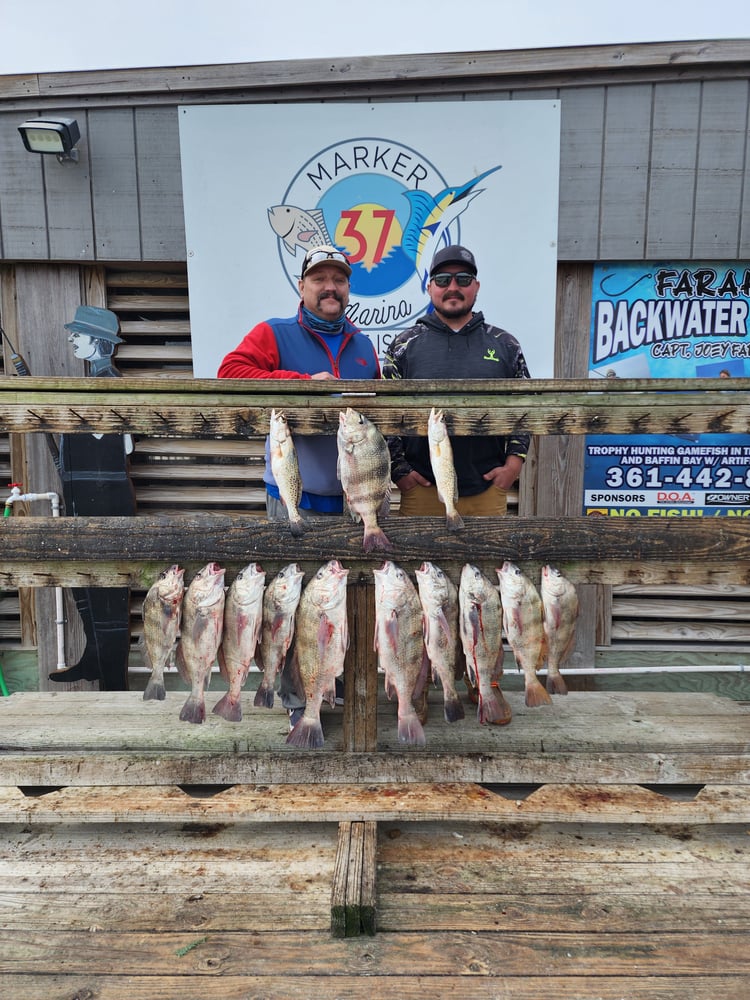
(317, 343)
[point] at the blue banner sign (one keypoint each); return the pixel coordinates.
(669, 321)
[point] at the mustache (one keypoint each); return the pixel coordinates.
(331, 295)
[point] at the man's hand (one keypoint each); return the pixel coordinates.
(410, 480)
(503, 476)
(319, 376)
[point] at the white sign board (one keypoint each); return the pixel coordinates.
(389, 184)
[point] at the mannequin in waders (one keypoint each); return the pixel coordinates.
(95, 482)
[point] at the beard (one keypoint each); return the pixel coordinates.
(453, 306)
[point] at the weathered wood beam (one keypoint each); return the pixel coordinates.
(115, 551)
(211, 408)
(352, 804)
(331, 76)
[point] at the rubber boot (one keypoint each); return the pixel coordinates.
(105, 616)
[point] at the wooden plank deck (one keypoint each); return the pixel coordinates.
(144, 857)
(466, 910)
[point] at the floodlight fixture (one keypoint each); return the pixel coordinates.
(51, 135)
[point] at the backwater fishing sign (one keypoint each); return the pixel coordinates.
(669, 320)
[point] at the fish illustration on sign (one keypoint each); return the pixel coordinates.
(431, 217)
(299, 227)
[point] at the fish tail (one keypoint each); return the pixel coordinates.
(307, 734)
(453, 708)
(536, 695)
(410, 730)
(493, 708)
(155, 691)
(229, 708)
(296, 526)
(263, 697)
(556, 684)
(375, 539)
(454, 521)
(194, 710)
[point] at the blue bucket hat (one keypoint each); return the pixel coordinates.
(95, 322)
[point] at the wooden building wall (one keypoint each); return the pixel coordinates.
(654, 165)
(654, 149)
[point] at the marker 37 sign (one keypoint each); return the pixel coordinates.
(388, 208)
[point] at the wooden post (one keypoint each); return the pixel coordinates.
(353, 891)
(361, 676)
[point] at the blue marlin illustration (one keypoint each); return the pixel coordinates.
(430, 218)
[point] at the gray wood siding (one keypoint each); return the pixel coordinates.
(653, 163)
(674, 153)
(624, 182)
(721, 171)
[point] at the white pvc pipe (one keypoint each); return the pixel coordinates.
(54, 499)
(735, 668)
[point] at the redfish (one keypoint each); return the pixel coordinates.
(480, 628)
(319, 650)
(439, 599)
(243, 617)
(280, 603)
(400, 646)
(560, 605)
(162, 613)
(524, 629)
(200, 637)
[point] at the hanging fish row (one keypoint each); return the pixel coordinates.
(364, 470)
(420, 634)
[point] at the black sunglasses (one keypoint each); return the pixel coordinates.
(463, 279)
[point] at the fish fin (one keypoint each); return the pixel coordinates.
(453, 709)
(194, 710)
(326, 631)
(307, 734)
(295, 677)
(223, 669)
(426, 631)
(375, 539)
(423, 677)
(442, 620)
(555, 615)
(391, 628)
(229, 708)
(179, 660)
(556, 684)
(493, 709)
(264, 697)
(454, 521)
(155, 691)
(296, 527)
(410, 730)
(421, 204)
(316, 214)
(536, 696)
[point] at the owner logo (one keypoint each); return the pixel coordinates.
(389, 209)
(719, 499)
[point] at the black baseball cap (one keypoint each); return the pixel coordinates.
(454, 255)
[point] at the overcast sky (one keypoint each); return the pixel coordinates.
(40, 36)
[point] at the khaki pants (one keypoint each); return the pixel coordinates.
(423, 501)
